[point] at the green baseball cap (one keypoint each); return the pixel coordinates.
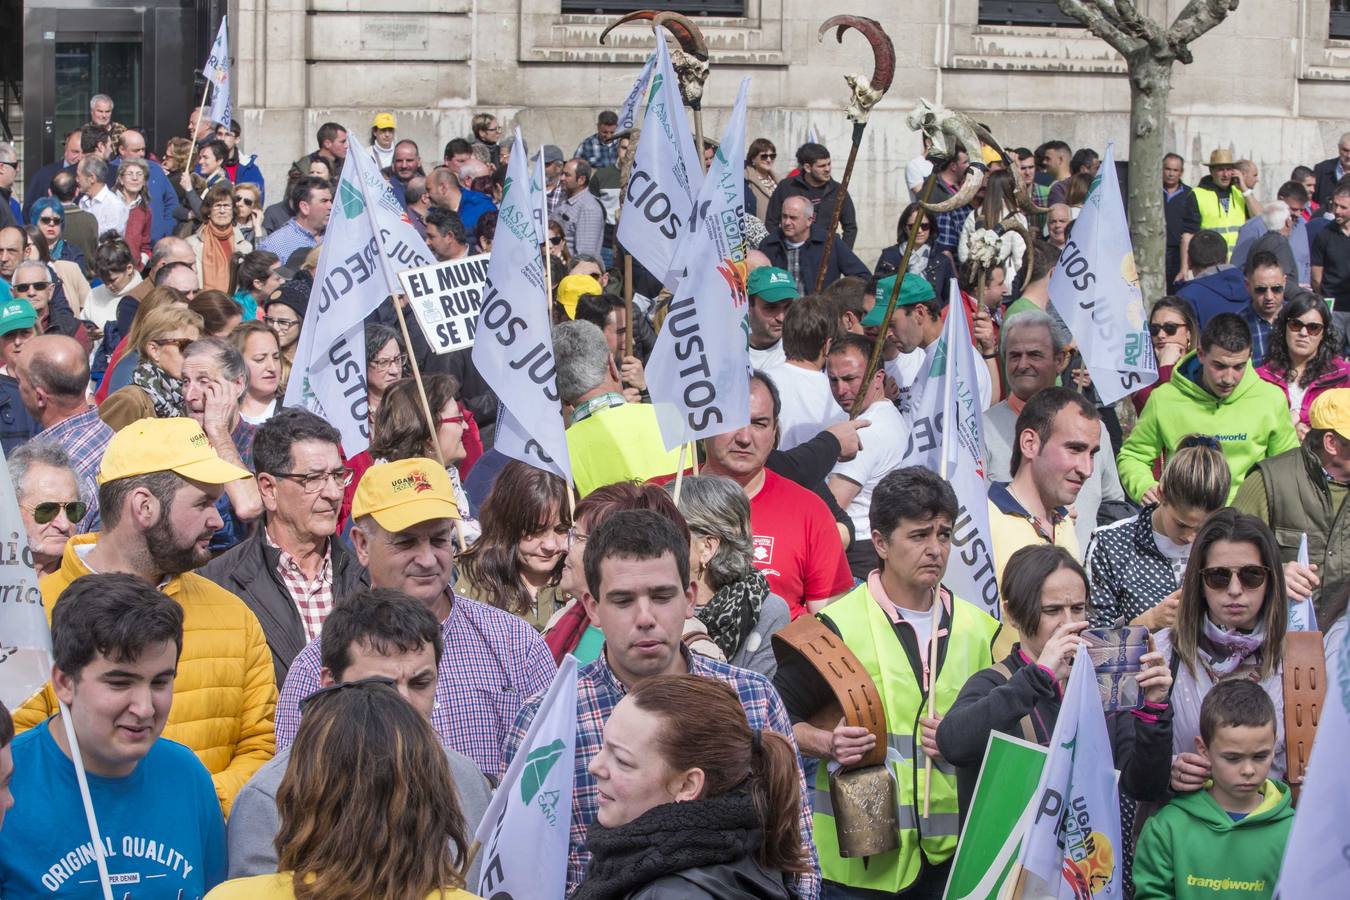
(771, 285)
(16, 315)
(914, 289)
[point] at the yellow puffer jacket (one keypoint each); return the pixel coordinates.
(225, 694)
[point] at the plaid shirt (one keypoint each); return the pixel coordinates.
(598, 692)
(1261, 330)
(312, 598)
(492, 662)
(287, 239)
(598, 153)
(84, 437)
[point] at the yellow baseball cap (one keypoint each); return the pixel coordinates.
(175, 445)
(384, 120)
(1331, 412)
(571, 288)
(405, 493)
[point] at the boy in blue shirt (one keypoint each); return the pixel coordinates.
(116, 642)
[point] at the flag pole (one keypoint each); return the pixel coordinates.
(679, 473)
(201, 111)
(95, 835)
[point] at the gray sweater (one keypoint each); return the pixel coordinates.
(254, 820)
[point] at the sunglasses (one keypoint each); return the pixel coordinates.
(180, 343)
(45, 512)
(555, 241)
(1168, 328)
(1218, 578)
(923, 225)
(43, 285)
(1295, 326)
(768, 156)
(49, 220)
(244, 201)
(1268, 289)
(373, 681)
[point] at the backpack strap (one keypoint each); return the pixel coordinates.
(1028, 729)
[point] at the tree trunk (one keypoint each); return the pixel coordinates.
(1150, 82)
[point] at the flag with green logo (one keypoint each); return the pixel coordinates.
(524, 833)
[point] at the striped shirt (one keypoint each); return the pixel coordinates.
(84, 437)
(598, 692)
(287, 239)
(493, 662)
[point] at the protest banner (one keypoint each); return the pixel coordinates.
(1072, 848)
(513, 346)
(1302, 615)
(628, 111)
(445, 298)
(1095, 290)
(699, 372)
(994, 826)
(524, 835)
(368, 236)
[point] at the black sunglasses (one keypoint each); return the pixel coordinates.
(49, 220)
(43, 285)
(345, 685)
(1167, 328)
(1218, 578)
(768, 156)
(555, 241)
(1295, 325)
(45, 512)
(1268, 289)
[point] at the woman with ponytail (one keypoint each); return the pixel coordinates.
(693, 802)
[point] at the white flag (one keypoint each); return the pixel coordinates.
(525, 831)
(811, 137)
(628, 112)
(948, 391)
(1095, 290)
(659, 203)
(539, 190)
(329, 377)
(217, 71)
(1073, 842)
(1302, 615)
(1318, 853)
(699, 371)
(513, 345)
(25, 639)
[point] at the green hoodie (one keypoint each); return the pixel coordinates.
(1250, 424)
(1192, 848)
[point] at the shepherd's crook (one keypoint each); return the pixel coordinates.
(866, 94)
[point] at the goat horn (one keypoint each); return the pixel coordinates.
(686, 32)
(974, 178)
(647, 14)
(883, 51)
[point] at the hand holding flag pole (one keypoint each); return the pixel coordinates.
(217, 72)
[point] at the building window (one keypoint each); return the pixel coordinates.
(1340, 20)
(1027, 12)
(688, 7)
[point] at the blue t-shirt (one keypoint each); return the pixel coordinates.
(163, 833)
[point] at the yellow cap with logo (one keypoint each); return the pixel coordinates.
(1331, 412)
(405, 493)
(166, 445)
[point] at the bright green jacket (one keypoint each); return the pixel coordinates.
(1192, 848)
(1251, 424)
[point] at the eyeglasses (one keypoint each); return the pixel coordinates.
(1275, 289)
(49, 220)
(1218, 578)
(1167, 328)
(389, 362)
(45, 512)
(12, 165)
(768, 156)
(226, 205)
(373, 681)
(313, 482)
(575, 536)
(1295, 326)
(280, 324)
(451, 420)
(923, 225)
(43, 285)
(180, 343)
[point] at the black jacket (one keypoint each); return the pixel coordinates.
(1325, 173)
(842, 260)
(743, 879)
(249, 571)
(1128, 573)
(824, 198)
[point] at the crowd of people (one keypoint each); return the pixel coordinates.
(333, 672)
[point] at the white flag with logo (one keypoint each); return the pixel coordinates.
(1072, 844)
(25, 639)
(329, 376)
(666, 176)
(699, 371)
(1302, 615)
(1095, 290)
(628, 112)
(525, 832)
(513, 344)
(1318, 853)
(217, 71)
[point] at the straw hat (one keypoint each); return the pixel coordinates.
(1221, 158)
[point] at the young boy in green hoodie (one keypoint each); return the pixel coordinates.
(1227, 840)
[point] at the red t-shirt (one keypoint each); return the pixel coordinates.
(796, 544)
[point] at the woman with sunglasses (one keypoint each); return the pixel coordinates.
(1173, 329)
(156, 388)
(50, 502)
(557, 248)
(759, 177)
(1230, 624)
(934, 267)
(51, 221)
(1302, 359)
(248, 213)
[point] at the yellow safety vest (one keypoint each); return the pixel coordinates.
(1214, 218)
(622, 443)
(867, 631)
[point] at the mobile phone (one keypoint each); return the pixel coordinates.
(1116, 655)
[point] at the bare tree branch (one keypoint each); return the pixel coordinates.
(1094, 19)
(1196, 18)
(1146, 29)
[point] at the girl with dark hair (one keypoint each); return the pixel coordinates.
(116, 265)
(1174, 330)
(219, 313)
(256, 280)
(996, 235)
(517, 561)
(1230, 624)
(1044, 594)
(1303, 358)
(759, 177)
(693, 801)
(934, 267)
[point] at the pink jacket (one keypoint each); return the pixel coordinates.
(1338, 377)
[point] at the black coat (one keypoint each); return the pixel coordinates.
(843, 261)
(1325, 173)
(743, 879)
(249, 571)
(824, 198)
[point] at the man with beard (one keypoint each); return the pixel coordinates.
(158, 485)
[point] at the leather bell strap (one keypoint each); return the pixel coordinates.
(856, 697)
(1305, 688)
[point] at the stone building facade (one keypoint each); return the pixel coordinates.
(1271, 83)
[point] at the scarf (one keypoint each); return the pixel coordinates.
(666, 839)
(217, 248)
(732, 612)
(918, 260)
(165, 391)
(1228, 651)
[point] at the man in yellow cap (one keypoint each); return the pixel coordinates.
(1302, 491)
(158, 485)
(404, 515)
(1215, 204)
